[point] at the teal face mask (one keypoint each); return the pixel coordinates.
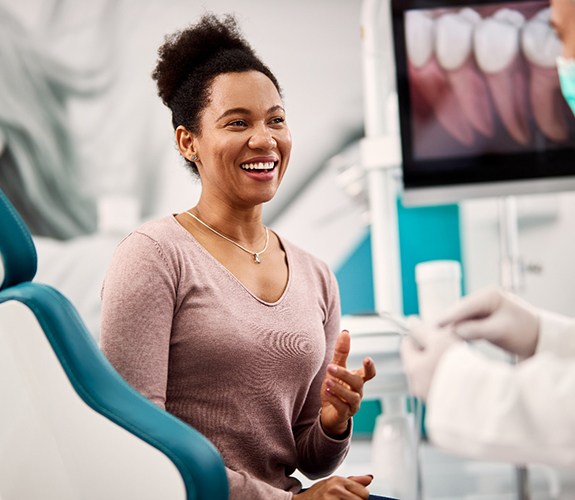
(566, 69)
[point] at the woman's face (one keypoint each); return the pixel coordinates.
(244, 142)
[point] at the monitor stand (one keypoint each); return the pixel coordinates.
(512, 279)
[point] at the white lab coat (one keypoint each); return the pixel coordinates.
(483, 408)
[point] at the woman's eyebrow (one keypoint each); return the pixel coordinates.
(245, 111)
(234, 111)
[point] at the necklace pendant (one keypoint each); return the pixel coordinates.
(257, 259)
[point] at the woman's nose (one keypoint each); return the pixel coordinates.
(262, 138)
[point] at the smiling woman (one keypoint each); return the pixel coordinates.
(243, 145)
(215, 317)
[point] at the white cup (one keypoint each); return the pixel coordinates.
(438, 287)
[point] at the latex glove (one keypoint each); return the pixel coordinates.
(342, 389)
(338, 488)
(420, 363)
(499, 317)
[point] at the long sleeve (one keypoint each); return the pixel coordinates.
(138, 300)
(318, 454)
(481, 408)
(243, 486)
(556, 335)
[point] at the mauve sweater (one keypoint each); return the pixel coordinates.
(185, 332)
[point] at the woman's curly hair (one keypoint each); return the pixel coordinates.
(190, 59)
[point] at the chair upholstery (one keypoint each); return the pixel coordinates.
(70, 427)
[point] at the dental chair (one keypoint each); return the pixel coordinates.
(70, 427)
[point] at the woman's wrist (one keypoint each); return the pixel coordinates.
(339, 432)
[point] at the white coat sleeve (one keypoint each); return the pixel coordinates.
(486, 409)
(556, 335)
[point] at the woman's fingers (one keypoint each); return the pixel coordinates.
(343, 408)
(337, 488)
(347, 385)
(368, 369)
(342, 347)
(353, 379)
(363, 480)
(346, 401)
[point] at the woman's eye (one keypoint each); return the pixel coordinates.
(237, 123)
(278, 120)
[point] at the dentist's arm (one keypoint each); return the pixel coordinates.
(487, 409)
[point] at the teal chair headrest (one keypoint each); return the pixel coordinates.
(19, 260)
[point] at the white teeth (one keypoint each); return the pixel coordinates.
(419, 33)
(472, 16)
(510, 16)
(496, 40)
(258, 166)
(454, 38)
(539, 42)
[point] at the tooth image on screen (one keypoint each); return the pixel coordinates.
(454, 51)
(430, 84)
(541, 47)
(498, 54)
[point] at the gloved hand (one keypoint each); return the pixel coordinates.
(499, 317)
(419, 363)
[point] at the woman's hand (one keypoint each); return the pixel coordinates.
(342, 389)
(338, 488)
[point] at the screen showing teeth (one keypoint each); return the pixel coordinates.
(484, 77)
(479, 93)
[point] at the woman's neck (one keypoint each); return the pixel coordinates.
(241, 225)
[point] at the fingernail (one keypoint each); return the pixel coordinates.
(370, 475)
(332, 369)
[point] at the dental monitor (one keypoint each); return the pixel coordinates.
(480, 107)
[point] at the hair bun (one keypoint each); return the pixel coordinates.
(185, 51)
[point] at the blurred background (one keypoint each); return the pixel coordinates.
(86, 146)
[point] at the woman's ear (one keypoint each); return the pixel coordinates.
(185, 142)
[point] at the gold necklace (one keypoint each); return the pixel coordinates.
(256, 255)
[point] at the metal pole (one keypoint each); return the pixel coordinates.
(512, 280)
(381, 155)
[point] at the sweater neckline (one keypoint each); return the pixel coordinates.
(224, 269)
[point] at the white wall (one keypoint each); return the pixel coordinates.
(546, 237)
(124, 134)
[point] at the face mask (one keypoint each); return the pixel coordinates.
(566, 69)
